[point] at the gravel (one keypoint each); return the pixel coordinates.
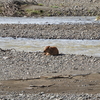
(51, 31)
(43, 96)
(23, 65)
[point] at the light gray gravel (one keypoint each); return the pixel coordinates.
(43, 96)
(62, 31)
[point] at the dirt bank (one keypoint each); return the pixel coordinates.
(51, 8)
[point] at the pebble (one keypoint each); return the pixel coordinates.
(5, 58)
(50, 97)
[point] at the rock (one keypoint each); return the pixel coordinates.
(5, 58)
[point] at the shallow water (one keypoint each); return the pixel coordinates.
(83, 47)
(48, 20)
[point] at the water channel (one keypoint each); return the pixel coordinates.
(85, 47)
(48, 20)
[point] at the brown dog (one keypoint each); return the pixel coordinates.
(51, 51)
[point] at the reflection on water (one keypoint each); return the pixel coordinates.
(86, 47)
(48, 20)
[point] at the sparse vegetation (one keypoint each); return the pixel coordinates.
(40, 4)
(30, 12)
(54, 6)
(20, 8)
(0, 10)
(97, 18)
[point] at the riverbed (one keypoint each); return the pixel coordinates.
(22, 69)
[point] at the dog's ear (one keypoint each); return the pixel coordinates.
(46, 48)
(50, 48)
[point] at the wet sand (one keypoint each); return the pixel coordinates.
(86, 83)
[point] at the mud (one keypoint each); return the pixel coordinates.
(78, 84)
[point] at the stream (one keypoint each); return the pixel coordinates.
(83, 47)
(48, 20)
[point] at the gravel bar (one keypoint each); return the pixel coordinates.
(24, 65)
(51, 31)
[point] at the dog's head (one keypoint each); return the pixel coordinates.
(47, 49)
